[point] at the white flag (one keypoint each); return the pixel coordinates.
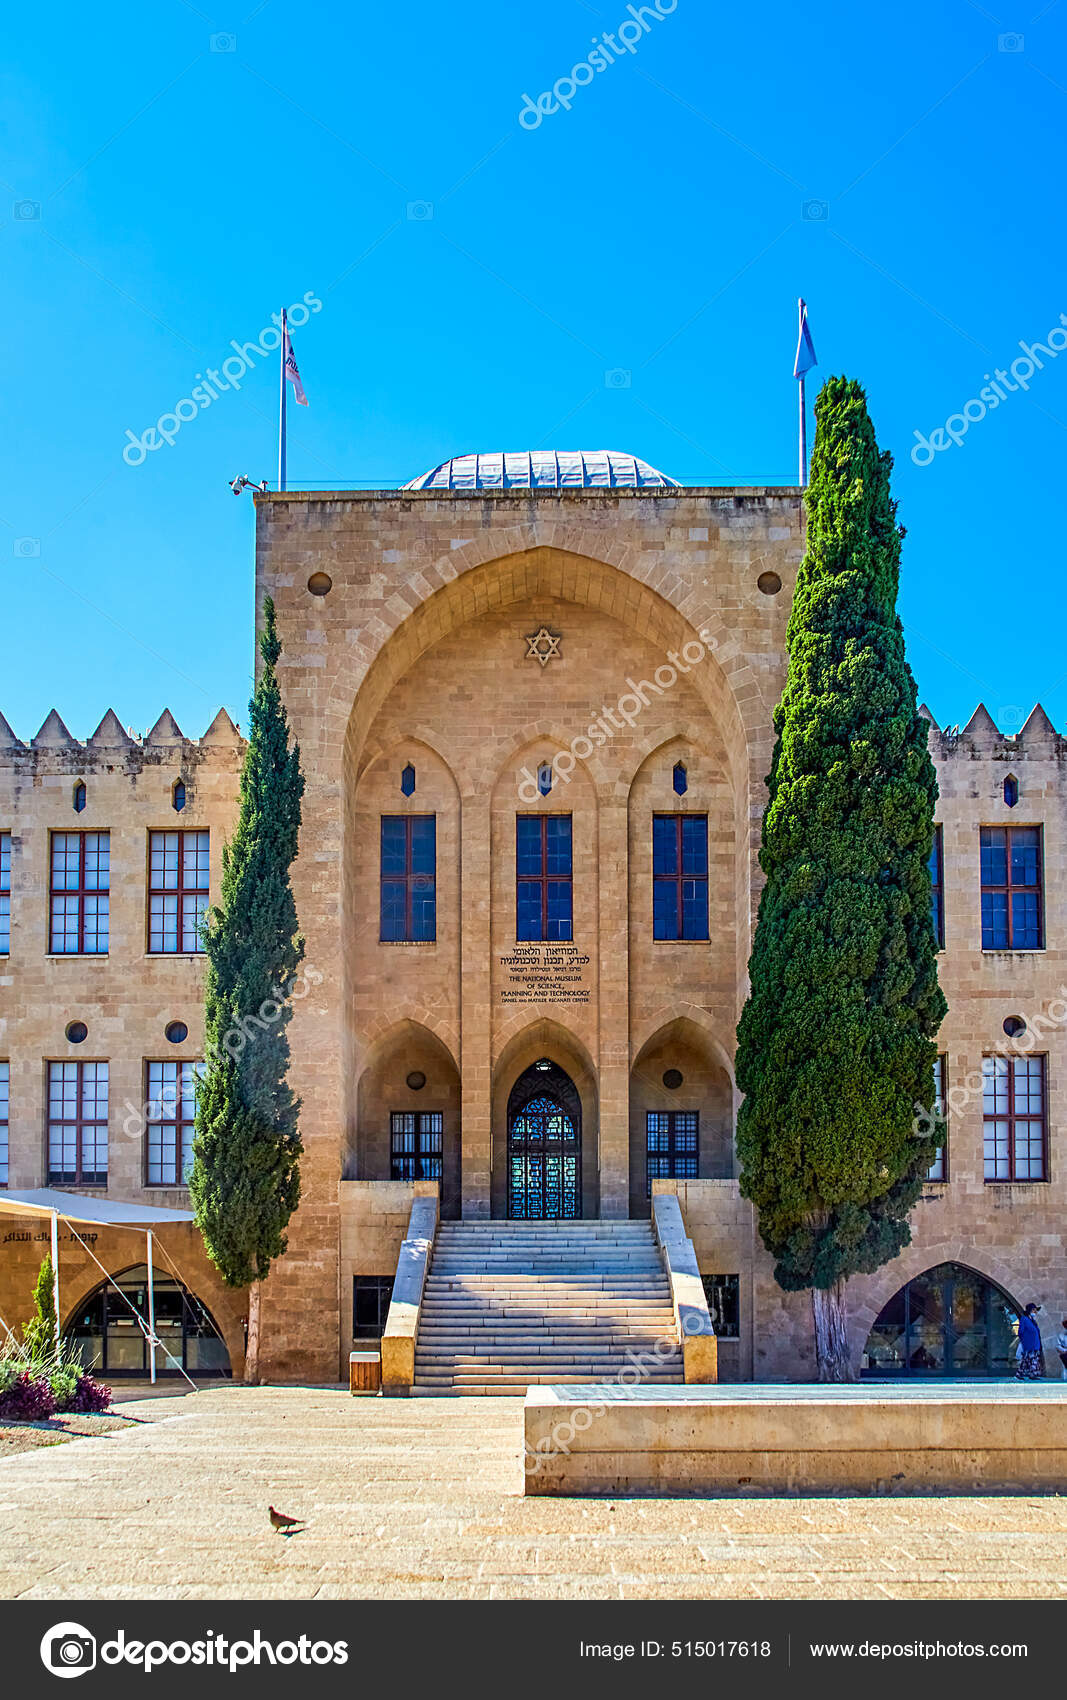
(292, 372)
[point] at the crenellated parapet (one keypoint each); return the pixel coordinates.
(981, 739)
(114, 747)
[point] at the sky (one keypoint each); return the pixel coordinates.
(614, 265)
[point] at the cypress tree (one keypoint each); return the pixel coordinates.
(835, 1043)
(39, 1334)
(245, 1180)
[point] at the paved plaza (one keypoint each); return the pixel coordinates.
(422, 1498)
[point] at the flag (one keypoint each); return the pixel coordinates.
(292, 373)
(805, 359)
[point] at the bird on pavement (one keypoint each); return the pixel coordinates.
(284, 1525)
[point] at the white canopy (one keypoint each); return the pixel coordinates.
(102, 1212)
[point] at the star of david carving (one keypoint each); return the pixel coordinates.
(543, 646)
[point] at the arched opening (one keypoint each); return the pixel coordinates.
(681, 1112)
(112, 1342)
(544, 1145)
(408, 1115)
(949, 1321)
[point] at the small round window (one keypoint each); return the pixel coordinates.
(769, 583)
(77, 1032)
(1014, 1026)
(672, 1079)
(176, 1032)
(320, 584)
(416, 1080)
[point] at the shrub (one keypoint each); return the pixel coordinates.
(28, 1399)
(64, 1384)
(91, 1396)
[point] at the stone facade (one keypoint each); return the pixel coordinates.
(412, 649)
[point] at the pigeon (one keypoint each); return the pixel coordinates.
(284, 1525)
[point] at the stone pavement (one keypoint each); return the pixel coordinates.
(422, 1498)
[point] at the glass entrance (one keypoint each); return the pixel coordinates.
(949, 1321)
(111, 1341)
(544, 1145)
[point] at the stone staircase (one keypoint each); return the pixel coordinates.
(508, 1305)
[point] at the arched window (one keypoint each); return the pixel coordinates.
(950, 1321)
(407, 780)
(1011, 790)
(681, 778)
(544, 1145)
(109, 1329)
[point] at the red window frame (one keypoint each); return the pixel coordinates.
(1010, 888)
(180, 892)
(182, 1121)
(1014, 1118)
(80, 892)
(80, 1122)
(544, 879)
(5, 893)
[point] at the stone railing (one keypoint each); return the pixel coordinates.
(402, 1323)
(691, 1314)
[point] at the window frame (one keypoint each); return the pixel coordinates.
(673, 1153)
(59, 1177)
(1010, 888)
(408, 878)
(5, 1122)
(5, 893)
(384, 1285)
(426, 1162)
(178, 1122)
(941, 1159)
(1013, 1119)
(180, 892)
(679, 879)
(544, 879)
(80, 892)
(937, 886)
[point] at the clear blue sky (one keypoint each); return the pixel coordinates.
(657, 228)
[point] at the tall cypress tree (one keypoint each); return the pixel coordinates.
(245, 1181)
(835, 1044)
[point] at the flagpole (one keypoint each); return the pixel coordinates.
(803, 411)
(281, 405)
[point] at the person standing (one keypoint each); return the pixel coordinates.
(1061, 1345)
(1029, 1365)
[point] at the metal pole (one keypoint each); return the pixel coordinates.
(55, 1275)
(151, 1312)
(281, 404)
(803, 409)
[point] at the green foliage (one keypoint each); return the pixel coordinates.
(245, 1181)
(39, 1334)
(835, 1044)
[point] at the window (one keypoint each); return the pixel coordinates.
(170, 1099)
(409, 878)
(680, 778)
(5, 1094)
(177, 796)
(673, 1145)
(5, 893)
(680, 876)
(371, 1296)
(77, 1123)
(543, 877)
(937, 888)
(79, 893)
(177, 890)
(78, 798)
(939, 1167)
(1011, 888)
(1011, 790)
(407, 780)
(1013, 1092)
(415, 1145)
(723, 1293)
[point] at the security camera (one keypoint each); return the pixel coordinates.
(238, 484)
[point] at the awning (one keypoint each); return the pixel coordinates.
(102, 1212)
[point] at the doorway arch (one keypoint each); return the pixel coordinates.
(948, 1321)
(544, 1145)
(111, 1341)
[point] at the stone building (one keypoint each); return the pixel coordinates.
(534, 696)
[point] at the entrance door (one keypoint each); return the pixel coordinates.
(544, 1145)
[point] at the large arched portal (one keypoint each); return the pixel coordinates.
(949, 1321)
(544, 1145)
(109, 1329)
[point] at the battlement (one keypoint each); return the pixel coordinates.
(1037, 738)
(55, 750)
